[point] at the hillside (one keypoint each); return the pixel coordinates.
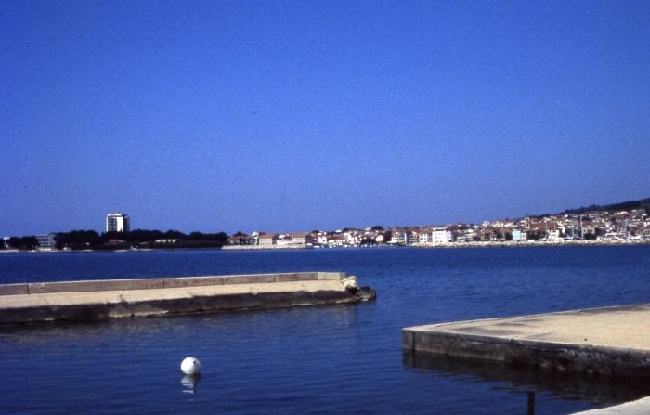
(629, 205)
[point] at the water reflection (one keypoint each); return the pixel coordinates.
(599, 392)
(190, 382)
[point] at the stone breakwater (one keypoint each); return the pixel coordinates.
(120, 298)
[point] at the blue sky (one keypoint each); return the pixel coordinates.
(300, 115)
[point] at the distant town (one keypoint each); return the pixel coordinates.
(627, 222)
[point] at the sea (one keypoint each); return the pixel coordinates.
(344, 359)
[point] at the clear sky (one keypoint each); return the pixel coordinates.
(298, 115)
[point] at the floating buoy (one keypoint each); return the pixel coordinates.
(191, 366)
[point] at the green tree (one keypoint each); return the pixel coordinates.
(13, 242)
(29, 243)
(78, 240)
(196, 236)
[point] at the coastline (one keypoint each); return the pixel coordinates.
(429, 245)
(451, 245)
(517, 244)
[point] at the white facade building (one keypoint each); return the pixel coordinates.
(441, 235)
(46, 242)
(518, 234)
(117, 222)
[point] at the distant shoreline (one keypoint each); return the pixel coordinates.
(517, 244)
(451, 245)
(430, 245)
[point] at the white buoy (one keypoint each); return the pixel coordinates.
(191, 366)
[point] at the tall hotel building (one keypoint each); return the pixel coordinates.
(117, 222)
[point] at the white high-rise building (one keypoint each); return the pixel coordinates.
(117, 222)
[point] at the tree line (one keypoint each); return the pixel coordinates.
(27, 243)
(628, 205)
(83, 239)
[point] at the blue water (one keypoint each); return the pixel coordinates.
(321, 360)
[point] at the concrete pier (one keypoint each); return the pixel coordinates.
(637, 407)
(103, 299)
(611, 342)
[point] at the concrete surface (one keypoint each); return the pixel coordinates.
(611, 341)
(604, 343)
(100, 299)
(638, 407)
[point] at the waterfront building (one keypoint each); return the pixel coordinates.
(117, 222)
(283, 240)
(322, 238)
(518, 234)
(413, 237)
(268, 239)
(425, 236)
(335, 240)
(241, 238)
(301, 238)
(441, 235)
(46, 242)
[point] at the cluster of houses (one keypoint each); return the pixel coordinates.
(598, 225)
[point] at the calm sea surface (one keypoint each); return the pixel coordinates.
(333, 359)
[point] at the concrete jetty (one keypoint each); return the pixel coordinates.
(636, 407)
(119, 298)
(610, 342)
